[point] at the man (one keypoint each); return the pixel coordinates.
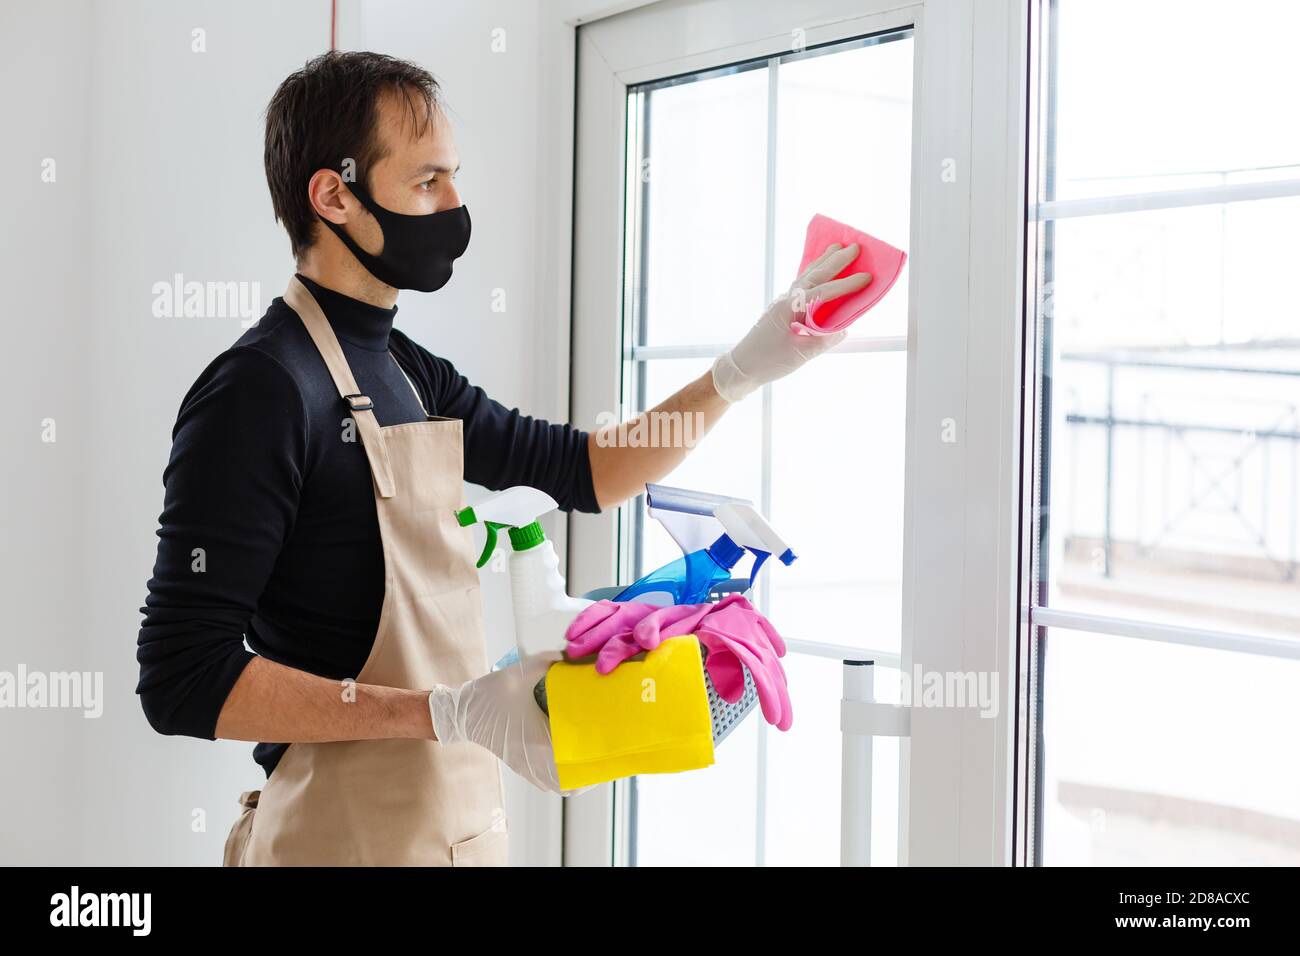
(310, 495)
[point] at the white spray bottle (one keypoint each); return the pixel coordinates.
(542, 606)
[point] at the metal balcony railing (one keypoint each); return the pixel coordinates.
(1270, 497)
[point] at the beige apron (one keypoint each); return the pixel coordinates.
(393, 802)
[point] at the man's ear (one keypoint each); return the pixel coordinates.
(329, 196)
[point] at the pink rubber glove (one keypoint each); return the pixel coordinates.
(647, 634)
(606, 629)
(735, 634)
(594, 627)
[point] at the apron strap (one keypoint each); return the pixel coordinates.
(318, 327)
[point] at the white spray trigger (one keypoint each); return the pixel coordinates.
(749, 529)
(515, 506)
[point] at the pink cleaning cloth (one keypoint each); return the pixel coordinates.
(882, 260)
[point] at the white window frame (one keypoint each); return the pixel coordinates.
(961, 600)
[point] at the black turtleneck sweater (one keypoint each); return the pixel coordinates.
(284, 511)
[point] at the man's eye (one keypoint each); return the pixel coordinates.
(428, 182)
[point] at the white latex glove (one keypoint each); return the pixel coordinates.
(771, 349)
(499, 713)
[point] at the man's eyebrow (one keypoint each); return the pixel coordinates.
(435, 168)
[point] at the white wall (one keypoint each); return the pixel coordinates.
(159, 172)
(45, 71)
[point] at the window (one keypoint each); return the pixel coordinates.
(708, 133)
(1164, 583)
(727, 173)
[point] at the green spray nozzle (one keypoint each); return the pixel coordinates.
(467, 517)
(516, 509)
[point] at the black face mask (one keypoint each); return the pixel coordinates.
(418, 250)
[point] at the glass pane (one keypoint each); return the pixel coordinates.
(857, 171)
(1158, 754)
(704, 166)
(1175, 458)
(728, 461)
(702, 817)
(837, 485)
(1175, 94)
(803, 772)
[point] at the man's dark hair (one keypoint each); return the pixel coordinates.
(326, 113)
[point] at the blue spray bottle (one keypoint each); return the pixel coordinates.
(693, 577)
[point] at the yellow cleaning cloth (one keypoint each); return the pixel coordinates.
(647, 716)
